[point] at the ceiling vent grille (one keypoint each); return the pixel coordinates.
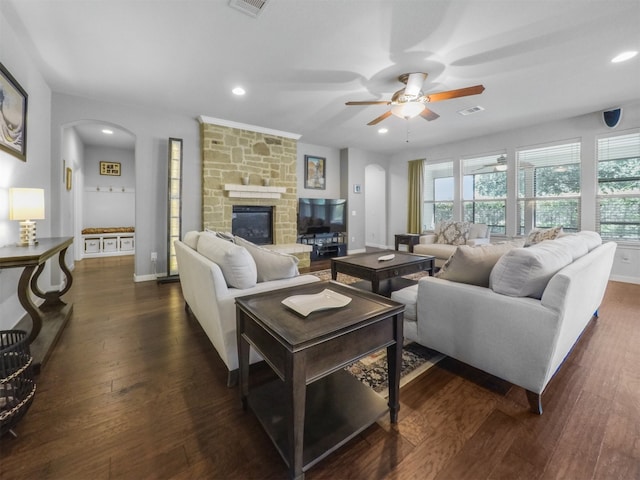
(471, 110)
(250, 7)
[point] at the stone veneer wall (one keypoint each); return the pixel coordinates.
(230, 153)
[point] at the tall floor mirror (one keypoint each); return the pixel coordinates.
(174, 207)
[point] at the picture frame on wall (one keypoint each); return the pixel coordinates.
(315, 173)
(13, 116)
(110, 168)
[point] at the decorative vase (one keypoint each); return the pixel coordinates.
(245, 180)
(266, 182)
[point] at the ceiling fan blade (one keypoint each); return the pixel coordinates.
(368, 103)
(380, 118)
(460, 92)
(414, 84)
(429, 114)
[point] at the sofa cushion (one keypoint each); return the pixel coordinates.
(271, 265)
(538, 235)
(236, 263)
(408, 296)
(191, 239)
(478, 230)
(453, 233)
(525, 272)
(592, 239)
(473, 265)
(577, 245)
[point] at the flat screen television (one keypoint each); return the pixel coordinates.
(322, 215)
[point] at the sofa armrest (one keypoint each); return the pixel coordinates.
(428, 238)
(472, 242)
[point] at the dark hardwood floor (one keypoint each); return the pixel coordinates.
(135, 390)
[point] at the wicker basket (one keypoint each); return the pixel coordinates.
(17, 387)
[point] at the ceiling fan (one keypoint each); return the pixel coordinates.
(500, 165)
(410, 101)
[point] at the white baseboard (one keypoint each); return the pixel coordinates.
(625, 279)
(147, 278)
(357, 250)
(376, 245)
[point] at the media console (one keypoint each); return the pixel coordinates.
(325, 245)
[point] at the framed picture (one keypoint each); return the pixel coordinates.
(13, 116)
(69, 177)
(314, 172)
(110, 168)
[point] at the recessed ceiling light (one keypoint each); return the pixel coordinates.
(238, 91)
(624, 56)
(383, 130)
(106, 131)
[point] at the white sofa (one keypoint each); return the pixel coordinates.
(447, 236)
(521, 326)
(209, 297)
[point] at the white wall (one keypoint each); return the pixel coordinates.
(375, 199)
(104, 202)
(588, 128)
(152, 129)
(71, 200)
(35, 172)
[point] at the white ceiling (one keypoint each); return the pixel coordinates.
(301, 60)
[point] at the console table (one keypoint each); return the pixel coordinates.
(49, 319)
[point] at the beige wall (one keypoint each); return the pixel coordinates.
(230, 153)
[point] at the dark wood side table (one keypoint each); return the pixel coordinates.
(314, 406)
(409, 239)
(49, 319)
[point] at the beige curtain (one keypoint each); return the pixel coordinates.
(416, 187)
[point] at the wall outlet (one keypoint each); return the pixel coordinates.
(154, 256)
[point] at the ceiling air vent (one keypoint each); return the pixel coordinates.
(471, 110)
(250, 7)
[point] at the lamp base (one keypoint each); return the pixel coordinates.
(27, 234)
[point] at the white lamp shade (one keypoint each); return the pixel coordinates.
(408, 109)
(26, 204)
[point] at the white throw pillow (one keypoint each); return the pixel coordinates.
(271, 265)
(191, 239)
(473, 265)
(236, 263)
(525, 272)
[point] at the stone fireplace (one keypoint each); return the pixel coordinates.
(268, 158)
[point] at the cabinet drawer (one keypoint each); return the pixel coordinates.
(126, 243)
(110, 244)
(91, 245)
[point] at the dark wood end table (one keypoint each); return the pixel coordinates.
(409, 239)
(368, 267)
(314, 406)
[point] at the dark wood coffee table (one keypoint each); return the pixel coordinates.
(383, 275)
(314, 406)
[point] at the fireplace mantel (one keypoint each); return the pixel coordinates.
(252, 191)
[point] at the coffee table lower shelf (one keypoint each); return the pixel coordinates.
(330, 421)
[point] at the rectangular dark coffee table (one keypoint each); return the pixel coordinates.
(314, 407)
(368, 267)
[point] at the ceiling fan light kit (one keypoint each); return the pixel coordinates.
(410, 101)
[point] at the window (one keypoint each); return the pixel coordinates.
(484, 191)
(549, 187)
(618, 199)
(438, 194)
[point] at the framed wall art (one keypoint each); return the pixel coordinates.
(315, 172)
(69, 178)
(110, 168)
(13, 116)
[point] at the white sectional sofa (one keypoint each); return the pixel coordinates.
(448, 236)
(213, 272)
(520, 319)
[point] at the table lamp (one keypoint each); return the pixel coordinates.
(26, 205)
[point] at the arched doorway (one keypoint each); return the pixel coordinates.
(100, 157)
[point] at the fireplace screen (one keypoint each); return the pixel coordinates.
(253, 223)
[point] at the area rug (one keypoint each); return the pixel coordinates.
(372, 370)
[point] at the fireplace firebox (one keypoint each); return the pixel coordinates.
(253, 223)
